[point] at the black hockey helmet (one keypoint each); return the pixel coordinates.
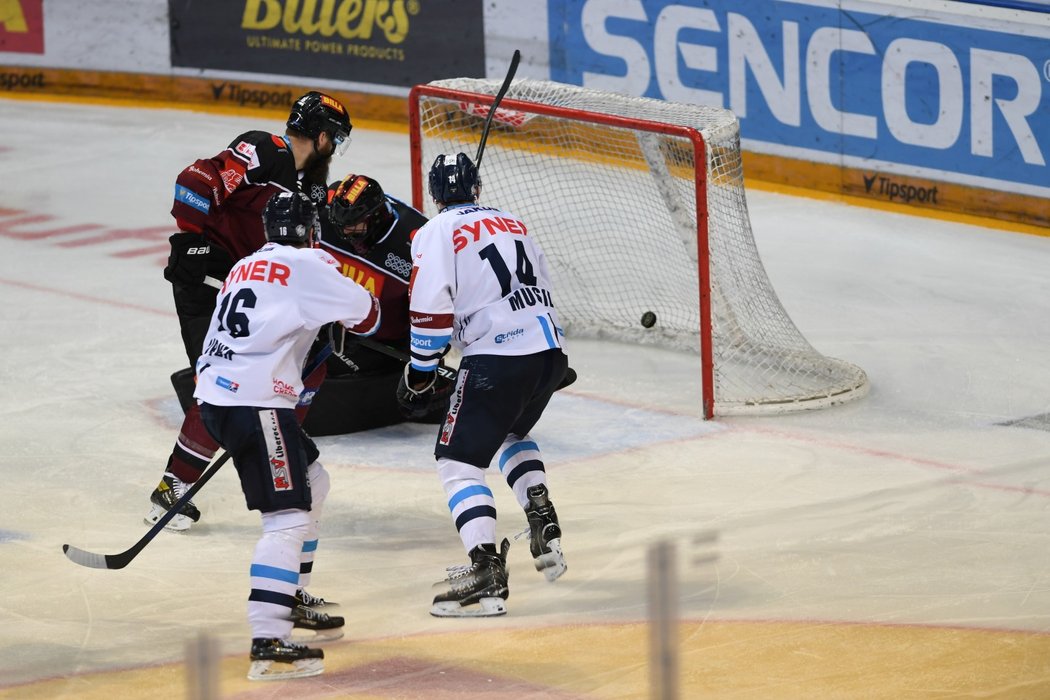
(454, 179)
(315, 112)
(290, 218)
(358, 211)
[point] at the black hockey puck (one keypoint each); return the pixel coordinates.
(648, 319)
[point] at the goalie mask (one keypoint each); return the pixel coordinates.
(359, 213)
(290, 218)
(454, 179)
(315, 112)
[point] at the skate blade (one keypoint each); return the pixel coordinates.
(180, 523)
(279, 671)
(302, 636)
(485, 607)
(551, 565)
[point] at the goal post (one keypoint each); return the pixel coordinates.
(639, 206)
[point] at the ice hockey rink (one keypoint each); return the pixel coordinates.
(895, 547)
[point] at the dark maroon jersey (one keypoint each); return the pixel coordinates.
(223, 197)
(385, 269)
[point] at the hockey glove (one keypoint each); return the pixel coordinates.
(193, 258)
(420, 393)
(343, 344)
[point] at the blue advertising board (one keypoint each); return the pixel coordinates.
(950, 96)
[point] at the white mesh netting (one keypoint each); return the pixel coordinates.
(614, 207)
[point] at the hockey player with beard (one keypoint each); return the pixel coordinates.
(270, 309)
(218, 206)
(370, 234)
(480, 282)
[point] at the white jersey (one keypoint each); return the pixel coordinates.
(267, 315)
(481, 283)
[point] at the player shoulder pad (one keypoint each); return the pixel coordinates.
(257, 138)
(257, 146)
(325, 257)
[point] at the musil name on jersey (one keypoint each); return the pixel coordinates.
(530, 296)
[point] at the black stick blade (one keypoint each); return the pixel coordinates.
(119, 561)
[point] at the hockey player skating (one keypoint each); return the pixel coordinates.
(481, 283)
(370, 234)
(217, 208)
(269, 311)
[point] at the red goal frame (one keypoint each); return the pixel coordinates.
(694, 136)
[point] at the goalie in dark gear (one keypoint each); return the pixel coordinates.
(359, 213)
(369, 233)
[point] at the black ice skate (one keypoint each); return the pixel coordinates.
(325, 628)
(279, 659)
(303, 598)
(544, 534)
(168, 491)
(478, 590)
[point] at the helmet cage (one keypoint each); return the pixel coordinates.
(355, 201)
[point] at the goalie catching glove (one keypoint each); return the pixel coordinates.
(420, 393)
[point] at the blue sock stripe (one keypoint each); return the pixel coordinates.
(310, 546)
(277, 574)
(515, 449)
(473, 514)
(529, 465)
(464, 494)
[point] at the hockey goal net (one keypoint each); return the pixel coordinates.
(639, 205)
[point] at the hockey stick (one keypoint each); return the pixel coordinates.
(119, 561)
(495, 103)
(444, 372)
